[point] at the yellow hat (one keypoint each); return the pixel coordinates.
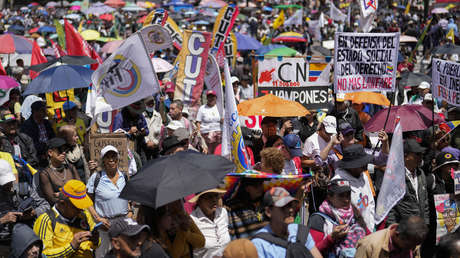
(214, 190)
(76, 191)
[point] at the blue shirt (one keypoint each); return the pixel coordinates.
(268, 250)
(106, 201)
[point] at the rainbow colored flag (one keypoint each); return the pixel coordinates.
(288, 182)
(315, 70)
(449, 126)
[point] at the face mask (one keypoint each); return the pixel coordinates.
(149, 109)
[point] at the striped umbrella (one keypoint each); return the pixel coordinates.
(289, 37)
(10, 43)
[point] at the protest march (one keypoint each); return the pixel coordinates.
(230, 129)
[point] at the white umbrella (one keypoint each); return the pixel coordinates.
(405, 39)
(73, 16)
(439, 10)
(161, 65)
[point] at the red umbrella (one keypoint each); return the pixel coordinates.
(115, 3)
(34, 30)
(106, 16)
(413, 118)
(10, 43)
(142, 19)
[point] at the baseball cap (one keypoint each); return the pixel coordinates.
(169, 87)
(294, 144)
(338, 186)
(239, 59)
(330, 124)
(182, 134)
(75, 190)
(6, 172)
(107, 149)
(211, 92)
(445, 158)
(174, 125)
(56, 143)
(169, 143)
(411, 145)
(278, 197)
(345, 128)
(126, 227)
(8, 118)
(69, 105)
(424, 85)
(234, 79)
(340, 97)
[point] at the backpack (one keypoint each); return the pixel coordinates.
(293, 250)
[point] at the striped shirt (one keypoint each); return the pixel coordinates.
(244, 220)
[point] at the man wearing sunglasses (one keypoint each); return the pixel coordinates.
(58, 172)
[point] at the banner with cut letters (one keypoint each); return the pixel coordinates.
(294, 78)
(365, 61)
(230, 49)
(222, 27)
(192, 67)
(446, 81)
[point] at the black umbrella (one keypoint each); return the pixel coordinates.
(171, 178)
(69, 60)
(413, 79)
(447, 49)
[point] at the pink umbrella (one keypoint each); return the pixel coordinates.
(75, 8)
(212, 3)
(7, 82)
(111, 46)
(439, 10)
(413, 118)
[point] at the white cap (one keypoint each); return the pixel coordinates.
(6, 172)
(107, 149)
(428, 97)
(330, 124)
(239, 59)
(424, 85)
(234, 79)
(174, 125)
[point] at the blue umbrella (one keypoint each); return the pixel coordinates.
(16, 18)
(245, 42)
(201, 22)
(267, 9)
(61, 77)
(49, 29)
(16, 27)
(265, 49)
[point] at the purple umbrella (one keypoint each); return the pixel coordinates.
(7, 82)
(99, 8)
(413, 118)
(245, 42)
(10, 43)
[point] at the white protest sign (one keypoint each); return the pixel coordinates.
(365, 61)
(446, 81)
(457, 181)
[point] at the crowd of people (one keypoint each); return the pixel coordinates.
(58, 202)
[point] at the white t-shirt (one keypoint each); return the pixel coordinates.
(361, 195)
(246, 93)
(313, 145)
(209, 118)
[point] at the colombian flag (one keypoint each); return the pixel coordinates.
(449, 126)
(315, 70)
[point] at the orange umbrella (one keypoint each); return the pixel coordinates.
(271, 105)
(367, 97)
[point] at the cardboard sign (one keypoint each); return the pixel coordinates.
(98, 141)
(447, 214)
(446, 81)
(365, 61)
(311, 97)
